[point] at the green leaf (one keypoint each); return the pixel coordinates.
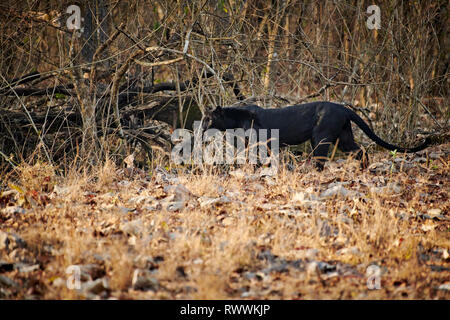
(60, 96)
(393, 153)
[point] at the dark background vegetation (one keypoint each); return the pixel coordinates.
(141, 68)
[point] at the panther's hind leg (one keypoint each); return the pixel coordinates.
(347, 144)
(321, 145)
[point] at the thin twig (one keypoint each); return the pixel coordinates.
(158, 63)
(207, 66)
(31, 120)
(97, 53)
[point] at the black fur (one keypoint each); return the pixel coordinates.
(321, 122)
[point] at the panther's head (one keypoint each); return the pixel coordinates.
(213, 119)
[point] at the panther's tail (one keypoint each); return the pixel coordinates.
(364, 127)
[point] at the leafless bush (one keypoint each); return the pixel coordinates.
(141, 61)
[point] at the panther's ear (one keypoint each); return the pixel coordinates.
(218, 110)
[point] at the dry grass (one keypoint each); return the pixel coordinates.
(267, 238)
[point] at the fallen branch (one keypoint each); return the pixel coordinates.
(158, 63)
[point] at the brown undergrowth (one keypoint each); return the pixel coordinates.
(381, 233)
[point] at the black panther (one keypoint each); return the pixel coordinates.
(323, 123)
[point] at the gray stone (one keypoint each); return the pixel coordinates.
(142, 280)
(444, 287)
(175, 205)
(10, 241)
(206, 201)
(96, 286)
(28, 268)
(311, 253)
(7, 282)
(61, 190)
(14, 210)
(335, 191)
(180, 192)
(134, 227)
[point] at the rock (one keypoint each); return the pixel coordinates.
(92, 271)
(258, 187)
(303, 197)
(249, 275)
(138, 199)
(142, 280)
(129, 161)
(298, 264)
(349, 251)
(435, 155)
(268, 172)
(434, 217)
(248, 294)
(134, 227)
(124, 183)
(10, 241)
(345, 220)
(270, 181)
(147, 262)
(61, 190)
(173, 235)
(96, 286)
(180, 192)
(325, 267)
(427, 227)
(434, 212)
(239, 174)
(28, 268)
(174, 206)
(391, 188)
(278, 266)
(143, 200)
(163, 176)
(326, 230)
(7, 282)
(4, 241)
(206, 201)
(335, 191)
(59, 282)
(124, 210)
(228, 221)
(132, 240)
(152, 207)
(14, 210)
(267, 255)
(438, 268)
(299, 197)
(8, 193)
(444, 287)
(311, 253)
(312, 268)
(380, 167)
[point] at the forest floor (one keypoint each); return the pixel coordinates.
(123, 233)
